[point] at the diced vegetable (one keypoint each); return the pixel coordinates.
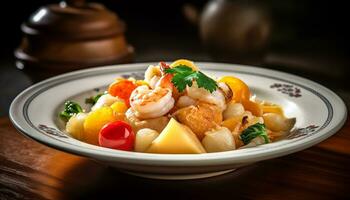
(184, 62)
(232, 122)
(253, 107)
(239, 88)
(70, 108)
(254, 131)
(75, 125)
(233, 110)
(117, 135)
(144, 139)
(176, 138)
(276, 122)
(272, 109)
(141, 82)
(218, 140)
(119, 107)
(122, 88)
(95, 121)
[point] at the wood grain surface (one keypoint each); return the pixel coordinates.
(29, 170)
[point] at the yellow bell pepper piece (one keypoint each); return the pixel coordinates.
(232, 122)
(254, 107)
(273, 109)
(119, 107)
(141, 82)
(239, 88)
(184, 62)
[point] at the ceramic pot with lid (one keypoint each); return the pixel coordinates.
(71, 35)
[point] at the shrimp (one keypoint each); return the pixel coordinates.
(217, 97)
(152, 75)
(148, 103)
(165, 82)
(155, 75)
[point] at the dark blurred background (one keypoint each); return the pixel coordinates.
(308, 38)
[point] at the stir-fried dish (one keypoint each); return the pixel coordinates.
(177, 109)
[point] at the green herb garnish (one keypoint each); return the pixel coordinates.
(92, 100)
(254, 131)
(70, 108)
(184, 76)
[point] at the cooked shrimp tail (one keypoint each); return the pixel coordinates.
(163, 67)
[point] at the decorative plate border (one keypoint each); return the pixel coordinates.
(52, 131)
(288, 89)
(299, 132)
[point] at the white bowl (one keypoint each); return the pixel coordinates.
(319, 112)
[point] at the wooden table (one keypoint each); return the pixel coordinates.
(29, 170)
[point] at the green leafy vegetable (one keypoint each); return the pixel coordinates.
(70, 108)
(92, 100)
(184, 76)
(254, 131)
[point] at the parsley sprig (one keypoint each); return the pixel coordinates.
(184, 76)
(254, 131)
(70, 108)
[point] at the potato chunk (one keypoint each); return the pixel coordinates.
(176, 138)
(75, 126)
(233, 110)
(276, 122)
(218, 140)
(144, 139)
